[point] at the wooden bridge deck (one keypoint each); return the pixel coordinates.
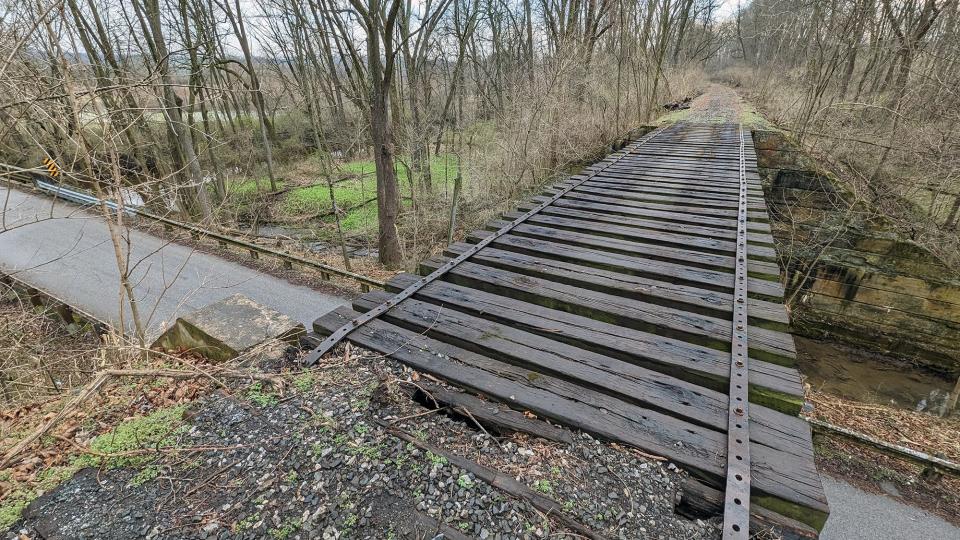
(610, 311)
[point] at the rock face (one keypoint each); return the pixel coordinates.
(223, 330)
(851, 279)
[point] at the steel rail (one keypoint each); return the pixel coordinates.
(736, 510)
(333, 339)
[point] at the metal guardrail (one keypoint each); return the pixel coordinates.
(255, 250)
(79, 197)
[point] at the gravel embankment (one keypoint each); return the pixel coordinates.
(315, 463)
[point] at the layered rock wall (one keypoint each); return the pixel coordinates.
(852, 279)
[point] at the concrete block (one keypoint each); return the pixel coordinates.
(223, 330)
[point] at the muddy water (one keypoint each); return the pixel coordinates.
(867, 377)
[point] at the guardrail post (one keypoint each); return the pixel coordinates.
(324, 276)
(66, 313)
(36, 297)
(287, 264)
(254, 254)
(222, 243)
(364, 288)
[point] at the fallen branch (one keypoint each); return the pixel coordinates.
(98, 381)
(501, 481)
(145, 451)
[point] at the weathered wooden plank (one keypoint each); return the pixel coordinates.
(705, 186)
(728, 214)
(583, 210)
(642, 195)
(697, 166)
(762, 313)
(757, 268)
(693, 152)
(702, 191)
(724, 174)
(666, 177)
(698, 501)
(716, 174)
(622, 230)
(699, 191)
(713, 151)
(579, 339)
(769, 345)
(757, 214)
(632, 265)
(652, 166)
(654, 213)
(494, 416)
(609, 375)
(782, 481)
(675, 187)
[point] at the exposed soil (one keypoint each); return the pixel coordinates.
(318, 462)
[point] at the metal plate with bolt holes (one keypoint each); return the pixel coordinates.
(736, 511)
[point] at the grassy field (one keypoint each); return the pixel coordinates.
(353, 193)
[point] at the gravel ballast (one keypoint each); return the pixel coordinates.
(319, 462)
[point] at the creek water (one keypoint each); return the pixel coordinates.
(868, 377)
(309, 238)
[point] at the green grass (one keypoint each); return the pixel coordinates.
(22, 495)
(352, 193)
(261, 397)
(248, 187)
(156, 430)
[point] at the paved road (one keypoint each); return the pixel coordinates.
(70, 255)
(858, 515)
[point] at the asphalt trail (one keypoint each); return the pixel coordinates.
(66, 251)
(858, 515)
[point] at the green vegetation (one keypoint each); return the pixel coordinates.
(304, 382)
(145, 475)
(13, 506)
(353, 193)
(157, 430)
(436, 460)
(543, 486)
(256, 394)
(247, 522)
(112, 449)
(20, 496)
(465, 482)
(282, 533)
